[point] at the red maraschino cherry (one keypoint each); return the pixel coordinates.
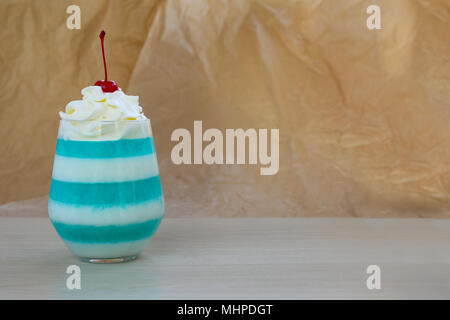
(107, 86)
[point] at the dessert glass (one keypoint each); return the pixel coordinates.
(106, 198)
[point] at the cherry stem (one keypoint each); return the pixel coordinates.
(102, 38)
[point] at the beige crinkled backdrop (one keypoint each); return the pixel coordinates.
(364, 116)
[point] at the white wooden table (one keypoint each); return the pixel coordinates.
(278, 258)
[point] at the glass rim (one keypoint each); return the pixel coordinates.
(106, 121)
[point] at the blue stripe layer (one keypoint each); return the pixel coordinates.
(105, 149)
(106, 194)
(107, 234)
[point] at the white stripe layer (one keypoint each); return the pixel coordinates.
(107, 250)
(85, 215)
(105, 170)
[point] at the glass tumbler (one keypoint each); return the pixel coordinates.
(105, 198)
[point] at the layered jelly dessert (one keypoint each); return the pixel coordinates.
(105, 199)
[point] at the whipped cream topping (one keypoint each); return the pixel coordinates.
(103, 116)
(99, 106)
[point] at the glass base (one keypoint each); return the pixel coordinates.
(108, 260)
